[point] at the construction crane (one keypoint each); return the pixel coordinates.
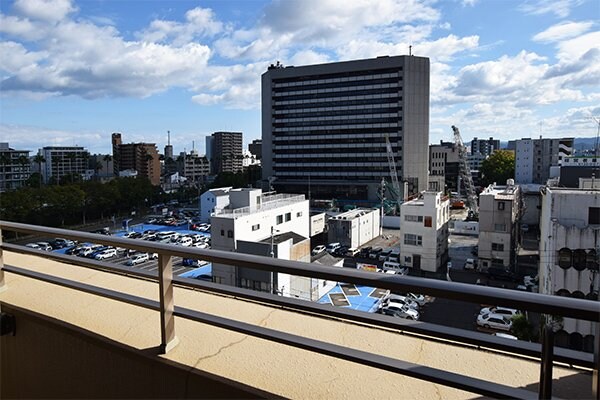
(465, 175)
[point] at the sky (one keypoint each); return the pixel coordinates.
(73, 72)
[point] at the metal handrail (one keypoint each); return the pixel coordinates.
(574, 308)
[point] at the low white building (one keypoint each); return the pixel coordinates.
(499, 208)
(569, 255)
(250, 224)
(213, 201)
(355, 227)
(424, 231)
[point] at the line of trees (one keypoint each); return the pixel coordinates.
(77, 202)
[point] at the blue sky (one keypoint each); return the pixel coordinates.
(74, 72)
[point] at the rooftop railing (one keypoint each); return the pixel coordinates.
(267, 203)
(545, 353)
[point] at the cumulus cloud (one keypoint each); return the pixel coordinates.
(47, 10)
(563, 30)
(199, 22)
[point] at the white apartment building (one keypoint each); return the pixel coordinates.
(213, 201)
(63, 160)
(498, 215)
(424, 231)
(534, 157)
(569, 255)
(253, 221)
(193, 167)
(355, 227)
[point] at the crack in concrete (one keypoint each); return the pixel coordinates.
(437, 391)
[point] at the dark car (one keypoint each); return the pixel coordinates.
(364, 252)
(341, 251)
(374, 253)
(103, 231)
(501, 274)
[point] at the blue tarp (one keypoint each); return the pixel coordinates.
(361, 302)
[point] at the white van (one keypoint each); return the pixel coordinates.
(166, 235)
(394, 266)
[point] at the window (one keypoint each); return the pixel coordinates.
(255, 227)
(408, 259)
(594, 216)
(229, 233)
(427, 222)
(279, 219)
(413, 218)
(500, 227)
(500, 205)
(222, 232)
(299, 214)
(413, 240)
(288, 217)
(498, 246)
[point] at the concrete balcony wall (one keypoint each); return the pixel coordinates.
(70, 338)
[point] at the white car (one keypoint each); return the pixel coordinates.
(417, 298)
(401, 311)
(185, 241)
(397, 298)
(470, 264)
(494, 321)
(508, 312)
(318, 250)
(201, 245)
(138, 259)
(108, 253)
(33, 246)
(331, 247)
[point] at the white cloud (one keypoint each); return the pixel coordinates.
(199, 22)
(29, 137)
(560, 8)
(468, 3)
(563, 30)
(47, 10)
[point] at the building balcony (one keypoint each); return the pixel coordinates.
(267, 203)
(92, 329)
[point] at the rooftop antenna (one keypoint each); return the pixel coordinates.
(169, 138)
(193, 145)
(410, 50)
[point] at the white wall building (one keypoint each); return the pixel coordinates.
(498, 215)
(247, 225)
(535, 157)
(355, 227)
(569, 255)
(424, 231)
(213, 201)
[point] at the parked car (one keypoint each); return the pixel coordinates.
(103, 231)
(60, 243)
(331, 247)
(509, 312)
(398, 298)
(501, 274)
(374, 253)
(108, 253)
(396, 310)
(384, 254)
(318, 250)
(133, 235)
(470, 264)
(394, 257)
(364, 252)
(352, 252)
(44, 246)
(185, 241)
(417, 298)
(138, 258)
(33, 246)
(494, 321)
(505, 335)
(340, 251)
(392, 266)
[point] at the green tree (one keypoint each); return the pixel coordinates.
(498, 167)
(39, 159)
(522, 328)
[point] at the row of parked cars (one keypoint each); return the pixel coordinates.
(402, 305)
(374, 253)
(56, 244)
(172, 237)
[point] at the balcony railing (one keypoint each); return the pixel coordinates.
(267, 203)
(545, 353)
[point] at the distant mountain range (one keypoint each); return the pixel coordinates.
(580, 143)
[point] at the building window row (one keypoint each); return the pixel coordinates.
(579, 259)
(338, 111)
(393, 91)
(297, 80)
(309, 106)
(346, 122)
(413, 218)
(355, 115)
(330, 85)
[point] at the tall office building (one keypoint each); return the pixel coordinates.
(225, 154)
(140, 157)
(324, 126)
(534, 157)
(484, 147)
